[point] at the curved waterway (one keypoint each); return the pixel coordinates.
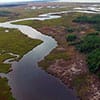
(27, 80)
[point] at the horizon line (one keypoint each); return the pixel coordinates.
(49, 1)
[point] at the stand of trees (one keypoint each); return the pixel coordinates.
(87, 19)
(94, 60)
(90, 44)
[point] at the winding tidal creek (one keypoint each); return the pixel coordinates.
(27, 80)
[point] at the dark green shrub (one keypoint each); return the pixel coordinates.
(93, 60)
(71, 37)
(81, 19)
(94, 33)
(97, 27)
(87, 19)
(89, 43)
(5, 13)
(70, 30)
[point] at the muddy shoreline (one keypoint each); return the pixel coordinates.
(75, 68)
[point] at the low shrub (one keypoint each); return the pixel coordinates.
(70, 30)
(93, 60)
(71, 37)
(89, 43)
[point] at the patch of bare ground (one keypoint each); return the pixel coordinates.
(94, 88)
(74, 70)
(57, 32)
(67, 69)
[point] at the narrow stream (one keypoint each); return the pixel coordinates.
(27, 80)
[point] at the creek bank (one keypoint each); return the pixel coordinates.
(73, 71)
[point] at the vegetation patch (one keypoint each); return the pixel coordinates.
(5, 93)
(70, 30)
(5, 13)
(88, 19)
(90, 43)
(93, 60)
(15, 42)
(71, 37)
(94, 20)
(81, 85)
(59, 55)
(52, 57)
(4, 68)
(3, 19)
